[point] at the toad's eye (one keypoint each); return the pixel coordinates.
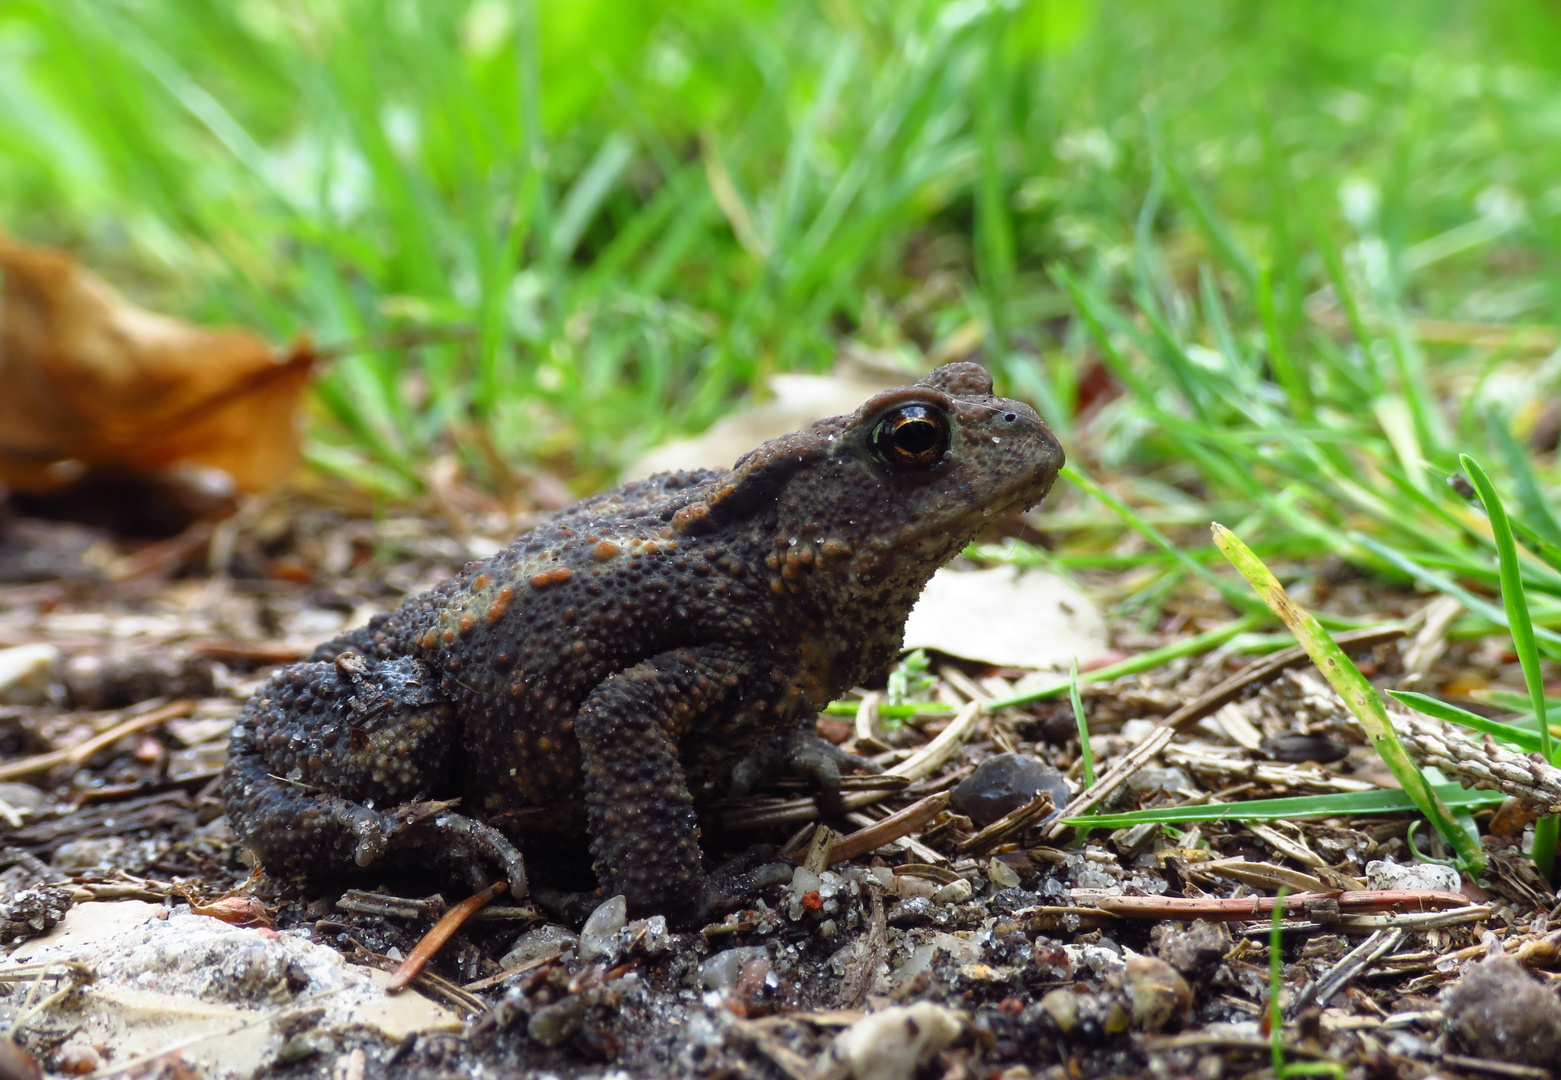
(911, 437)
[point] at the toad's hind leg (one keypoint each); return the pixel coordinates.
(328, 767)
(644, 834)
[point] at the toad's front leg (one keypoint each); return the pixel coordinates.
(644, 834)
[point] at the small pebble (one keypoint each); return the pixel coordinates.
(85, 854)
(804, 881)
(26, 672)
(1499, 1011)
(1149, 779)
(894, 1043)
(1136, 731)
(542, 941)
(1387, 875)
(649, 937)
(1195, 951)
(912, 912)
(1003, 783)
(1062, 1005)
(303, 1046)
(1302, 748)
(77, 1059)
(596, 936)
(721, 971)
(21, 796)
(955, 892)
(555, 1024)
(1001, 874)
(1158, 993)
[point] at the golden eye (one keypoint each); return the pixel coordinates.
(912, 436)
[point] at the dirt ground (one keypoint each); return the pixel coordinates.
(971, 936)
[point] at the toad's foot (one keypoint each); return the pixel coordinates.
(800, 752)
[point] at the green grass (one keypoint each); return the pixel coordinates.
(637, 211)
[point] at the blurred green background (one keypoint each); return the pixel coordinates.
(1260, 260)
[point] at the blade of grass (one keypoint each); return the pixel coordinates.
(1228, 590)
(1297, 807)
(1546, 829)
(1536, 507)
(1358, 694)
(1147, 661)
(1086, 753)
(1527, 741)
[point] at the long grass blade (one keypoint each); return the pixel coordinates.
(1356, 691)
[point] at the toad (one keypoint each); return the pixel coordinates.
(585, 683)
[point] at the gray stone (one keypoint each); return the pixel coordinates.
(1003, 783)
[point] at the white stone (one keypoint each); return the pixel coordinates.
(892, 1044)
(1381, 874)
(163, 978)
(955, 892)
(721, 971)
(26, 672)
(596, 936)
(543, 941)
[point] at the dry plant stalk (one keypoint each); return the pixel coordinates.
(1482, 762)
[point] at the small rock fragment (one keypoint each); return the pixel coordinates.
(911, 912)
(1150, 779)
(649, 937)
(596, 936)
(721, 971)
(303, 1046)
(1062, 1005)
(125, 677)
(1381, 874)
(543, 941)
(1158, 993)
(32, 912)
(1003, 783)
(1194, 951)
(26, 672)
(955, 892)
(556, 1024)
(1301, 748)
(1499, 1011)
(22, 797)
(77, 1059)
(89, 853)
(804, 881)
(1001, 875)
(892, 1044)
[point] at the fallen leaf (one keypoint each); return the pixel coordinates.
(89, 380)
(1007, 617)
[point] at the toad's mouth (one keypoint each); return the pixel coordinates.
(941, 540)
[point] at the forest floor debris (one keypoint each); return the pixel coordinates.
(1142, 948)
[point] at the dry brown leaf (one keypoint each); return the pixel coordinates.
(88, 377)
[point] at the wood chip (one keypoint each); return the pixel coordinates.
(895, 826)
(435, 939)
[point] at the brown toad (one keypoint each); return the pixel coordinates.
(629, 652)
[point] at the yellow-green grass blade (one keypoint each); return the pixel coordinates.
(1356, 691)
